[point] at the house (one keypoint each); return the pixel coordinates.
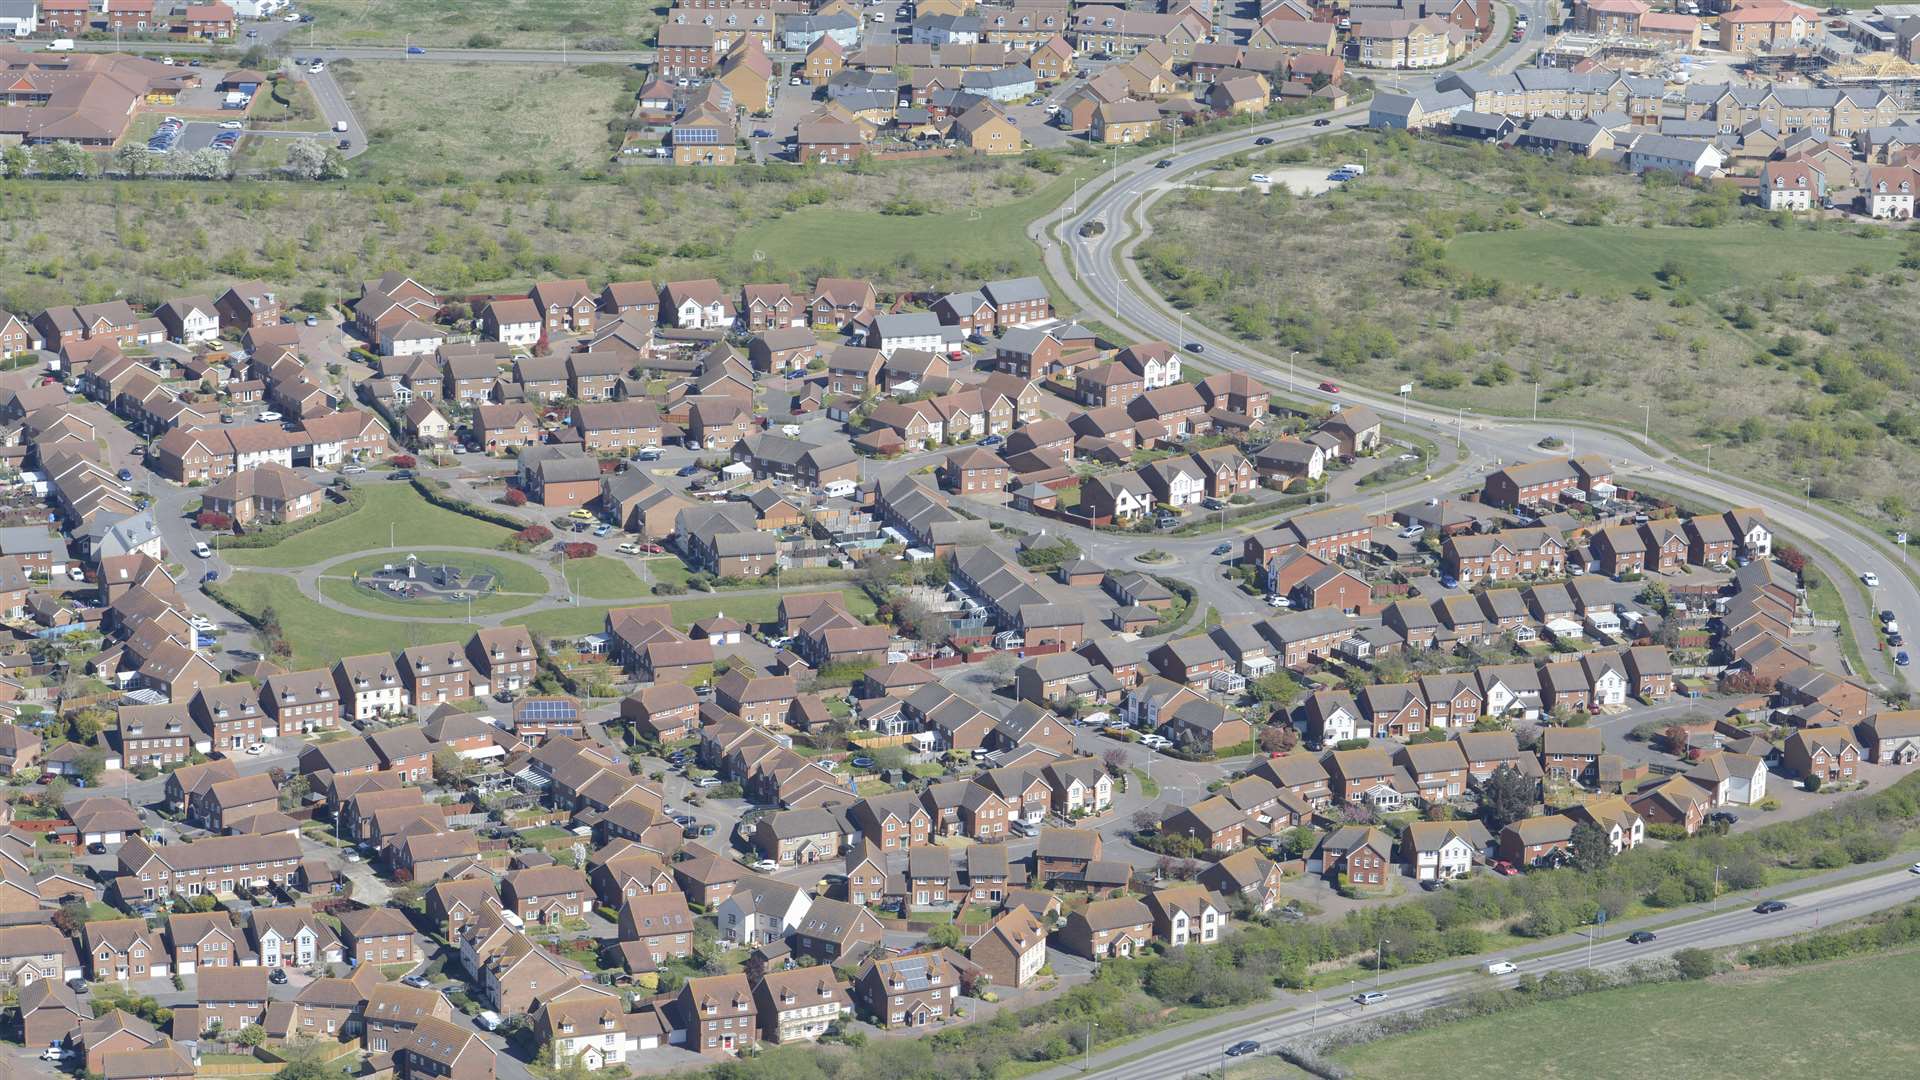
(1830, 754)
(440, 1050)
(1107, 928)
(1013, 949)
(230, 998)
(800, 1005)
(378, 936)
(1187, 915)
(190, 320)
(715, 1014)
(1362, 854)
(837, 932)
(1890, 738)
(1536, 841)
(1613, 815)
(1442, 850)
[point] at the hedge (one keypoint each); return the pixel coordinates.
(435, 492)
(273, 535)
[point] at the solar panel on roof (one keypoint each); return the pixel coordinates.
(542, 709)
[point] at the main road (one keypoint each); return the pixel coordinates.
(1098, 275)
(1196, 1048)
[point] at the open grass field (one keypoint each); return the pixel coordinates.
(860, 241)
(1849, 1018)
(604, 577)
(479, 119)
(513, 23)
(320, 635)
(1621, 258)
(1480, 276)
(391, 512)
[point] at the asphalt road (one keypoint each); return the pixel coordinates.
(1294, 1015)
(1097, 274)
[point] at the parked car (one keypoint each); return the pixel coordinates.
(418, 982)
(278, 976)
(707, 782)
(1261, 178)
(270, 416)
(687, 470)
(489, 1020)
(96, 848)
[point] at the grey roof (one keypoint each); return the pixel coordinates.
(908, 324)
(1014, 290)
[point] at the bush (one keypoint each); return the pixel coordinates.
(669, 588)
(1695, 964)
(213, 521)
(402, 461)
(514, 497)
(581, 549)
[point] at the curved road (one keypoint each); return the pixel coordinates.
(1099, 276)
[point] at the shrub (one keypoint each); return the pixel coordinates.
(581, 549)
(403, 461)
(213, 521)
(514, 497)
(1695, 963)
(668, 588)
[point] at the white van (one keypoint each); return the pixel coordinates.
(64, 44)
(839, 489)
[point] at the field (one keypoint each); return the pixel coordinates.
(1620, 258)
(394, 516)
(495, 197)
(604, 578)
(479, 119)
(1479, 275)
(1848, 1018)
(470, 23)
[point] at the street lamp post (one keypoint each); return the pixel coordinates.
(1536, 402)
(1379, 961)
(1716, 887)
(1086, 1060)
(1646, 425)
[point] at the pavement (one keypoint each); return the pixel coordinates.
(1194, 1048)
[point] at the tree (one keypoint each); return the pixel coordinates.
(133, 159)
(1278, 739)
(1655, 596)
(71, 918)
(63, 159)
(1813, 781)
(294, 790)
(1276, 690)
(251, 1036)
(1505, 798)
(208, 164)
(1115, 762)
(305, 159)
(88, 764)
(1592, 851)
(306, 1060)
(943, 935)
(1790, 557)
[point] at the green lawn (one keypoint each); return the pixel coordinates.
(1622, 257)
(320, 635)
(393, 515)
(760, 608)
(864, 240)
(1850, 1018)
(604, 578)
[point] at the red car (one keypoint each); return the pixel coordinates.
(1505, 868)
(1330, 387)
